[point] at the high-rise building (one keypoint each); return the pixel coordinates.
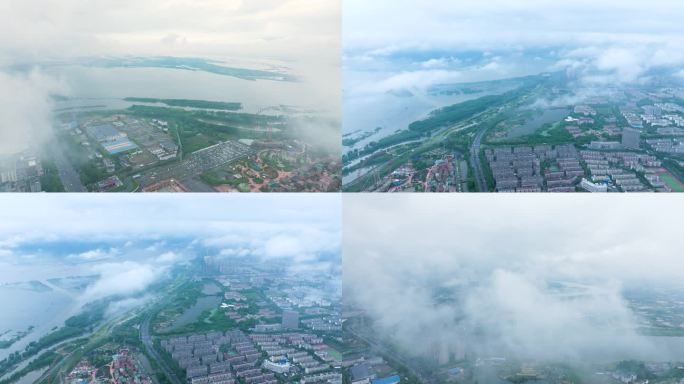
(631, 138)
(290, 320)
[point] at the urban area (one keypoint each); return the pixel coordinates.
(217, 321)
(373, 356)
(542, 136)
(175, 145)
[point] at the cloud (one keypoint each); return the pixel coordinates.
(442, 62)
(157, 220)
(171, 257)
(96, 254)
(156, 246)
(38, 30)
(122, 279)
(301, 37)
(302, 247)
(117, 307)
(528, 319)
(525, 276)
(138, 233)
(529, 38)
(26, 109)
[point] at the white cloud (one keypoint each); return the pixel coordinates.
(291, 29)
(96, 254)
(442, 62)
(213, 219)
(171, 257)
(124, 278)
(26, 109)
(621, 41)
(522, 274)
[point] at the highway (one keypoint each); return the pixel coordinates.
(104, 331)
(70, 178)
(147, 341)
(475, 162)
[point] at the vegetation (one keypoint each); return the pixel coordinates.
(636, 367)
(374, 159)
(73, 327)
(91, 314)
(50, 181)
(170, 362)
(458, 112)
(39, 362)
(189, 103)
(200, 129)
(385, 142)
(438, 118)
(551, 134)
(89, 173)
(6, 343)
(351, 141)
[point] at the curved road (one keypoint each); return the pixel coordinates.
(106, 329)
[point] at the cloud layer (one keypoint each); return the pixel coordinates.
(301, 37)
(26, 109)
(36, 30)
(604, 42)
(525, 276)
(133, 241)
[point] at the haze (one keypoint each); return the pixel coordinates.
(540, 277)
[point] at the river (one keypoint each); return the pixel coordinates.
(105, 87)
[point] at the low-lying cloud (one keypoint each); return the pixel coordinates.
(523, 277)
(610, 42)
(123, 279)
(26, 109)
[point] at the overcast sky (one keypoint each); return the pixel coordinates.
(39, 30)
(506, 257)
(422, 43)
(301, 37)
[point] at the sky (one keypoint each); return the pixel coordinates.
(133, 241)
(301, 37)
(536, 276)
(38, 30)
(412, 45)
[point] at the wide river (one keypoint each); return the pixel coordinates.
(107, 86)
(41, 309)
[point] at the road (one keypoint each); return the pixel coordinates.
(94, 336)
(147, 341)
(70, 178)
(435, 139)
(478, 171)
(419, 373)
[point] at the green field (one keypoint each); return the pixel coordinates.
(335, 354)
(672, 182)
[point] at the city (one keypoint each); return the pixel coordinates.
(181, 305)
(170, 98)
(512, 97)
(532, 140)
(541, 295)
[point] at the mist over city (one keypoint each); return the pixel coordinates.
(477, 288)
(172, 96)
(513, 81)
(88, 277)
